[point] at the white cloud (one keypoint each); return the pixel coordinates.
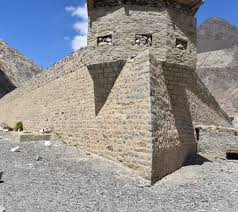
(79, 42)
(80, 11)
(80, 26)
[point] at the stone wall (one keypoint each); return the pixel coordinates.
(179, 100)
(187, 7)
(125, 23)
(131, 95)
(218, 71)
(144, 119)
(104, 77)
(63, 67)
(166, 137)
(120, 131)
(217, 141)
(187, 89)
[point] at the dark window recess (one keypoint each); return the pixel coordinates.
(181, 44)
(143, 39)
(232, 155)
(197, 131)
(104, 40)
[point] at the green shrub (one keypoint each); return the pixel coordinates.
(19, 126)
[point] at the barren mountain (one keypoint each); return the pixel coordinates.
(15, 69)
(219, 71)
(216, 34)
(218, 62)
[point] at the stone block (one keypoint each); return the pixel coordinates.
(27, 137)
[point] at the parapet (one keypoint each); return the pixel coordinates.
(188, 6)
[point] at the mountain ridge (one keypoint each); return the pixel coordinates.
(216, 34)
(15, 68)
(217, 65)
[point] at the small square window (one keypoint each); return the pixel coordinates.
(181, 44)
(104, 40)
(143, 39)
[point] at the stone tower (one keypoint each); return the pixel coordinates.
(132, 95)
(122, 29)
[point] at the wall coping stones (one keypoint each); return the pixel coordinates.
(216, 128)
(189, 7)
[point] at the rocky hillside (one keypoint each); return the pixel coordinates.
(15, 69)
(216, 34)
(219, 71)
(218, 62)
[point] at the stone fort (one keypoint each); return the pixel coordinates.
(132, 95)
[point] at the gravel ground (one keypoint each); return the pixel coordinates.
(67, 179)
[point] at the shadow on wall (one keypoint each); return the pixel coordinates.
(177, 80)
(5, 84)
(180, 104)
(104, 77)
(174, 140)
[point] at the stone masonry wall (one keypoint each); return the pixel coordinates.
(165, 133)
(175, 5)
(132, 95)
(178, 100)
(120, 131)
(217, 141)
(188, 90)
(204, 107)
(124, 24)
(124, 28)
(181, 28)
(63, 67)
(104, 77)
(145, 119)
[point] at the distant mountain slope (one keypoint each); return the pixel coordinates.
(215, 34)
(14, 69)
(218, 62)
(219, 71)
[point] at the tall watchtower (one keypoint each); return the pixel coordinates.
(157, 38)
(133, 94)
(120, 29)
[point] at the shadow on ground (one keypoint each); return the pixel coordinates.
(196, 159)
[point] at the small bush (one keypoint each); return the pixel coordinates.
(19, 126)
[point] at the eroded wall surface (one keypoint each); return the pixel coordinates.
(217, 141)
(120, 131)
(179, 100)
(139, 112)
(165, 134)
(132, 95)
(187, 89)
(124, 23)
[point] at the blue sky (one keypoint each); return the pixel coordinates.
(48, 30)
(226, 9)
